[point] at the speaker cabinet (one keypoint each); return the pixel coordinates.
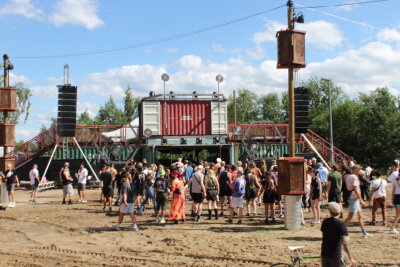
(66, 118)
(292, 173)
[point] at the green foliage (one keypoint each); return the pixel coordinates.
(85, 119)
(131, 105)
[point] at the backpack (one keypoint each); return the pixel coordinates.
(161, 186)
(240, 188)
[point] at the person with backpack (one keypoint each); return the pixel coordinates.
(252, 187)
(268, 187)
(378, 194)
(225, 192)
(128, 203)
(198, 192)
(212, 189)
(161, 187)
(139, 181)
(334, 187)
(238, 188)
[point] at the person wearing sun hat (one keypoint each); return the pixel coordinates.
(334, 233)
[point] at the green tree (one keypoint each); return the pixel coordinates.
(42, 128)
(247, 107)
(110, 113)
(84, 119)
(131, 105)
(270, 108)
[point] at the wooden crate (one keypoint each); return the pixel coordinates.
(8, 99)
(7, 137)
(291, 54)
(292, 173)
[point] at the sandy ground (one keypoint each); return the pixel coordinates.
(51, 234)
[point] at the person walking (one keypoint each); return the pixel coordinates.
(251, 192)
(12, 180)
(198, 191)
(161, 186)
(334, 233)
(238, 188)
(355, 200)
(139, 180)
(128, 203)
(379, 187)
(316, 197)
(278, 197)
(322, 175)
(396, 203)
(149, 192)
(335, 187)
(177, 209)
(108, 191)
(268, 187)
(34, 179)
(212, 189)
(66, 179)
(82, 177)
(225, 192)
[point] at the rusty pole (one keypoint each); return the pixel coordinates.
(292, 142)
(6, 79)
(234, 107)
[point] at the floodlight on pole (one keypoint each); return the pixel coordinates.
(219, 80)
(330, 118)
(165, 78)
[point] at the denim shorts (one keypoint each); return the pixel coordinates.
(354, 205)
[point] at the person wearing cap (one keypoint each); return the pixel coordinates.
(198, 191)
(355, 200)
(238, 188)
(217, 165)
(334, 233)
(82, 176)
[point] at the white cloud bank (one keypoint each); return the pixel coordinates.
(21, 7)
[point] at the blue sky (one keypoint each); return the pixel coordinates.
(358, 55)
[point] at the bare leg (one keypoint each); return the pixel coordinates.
(361, 219)
(121, 218)
(133, 218)
(348, 219)
(396, 219)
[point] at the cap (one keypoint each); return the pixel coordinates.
(219, 160)
(161, 173)
(356, 167)
(334, 208)
(240, 171)
(319, 165)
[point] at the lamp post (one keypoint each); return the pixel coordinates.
(165, 78)
(219, 80)
(330, 117)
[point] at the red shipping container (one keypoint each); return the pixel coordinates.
(186, 118)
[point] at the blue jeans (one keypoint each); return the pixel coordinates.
(149, 194)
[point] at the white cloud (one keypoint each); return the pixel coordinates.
(389, 35)
(48, 87)
(21, 7)
(218, 48)
(321, 34)
(76, 12)
(25, 134)
(91, 108)
(257, 52)
(172, 50)
(14, 79)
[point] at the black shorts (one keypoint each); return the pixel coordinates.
(161, 199)
(252, 194)
(269, 197)
(335, 197)
(197, 197)
(10, 187)
(315, 195)
(108, 192)
(396, 201)
(211, 195)
(278, 197)
(224, 192)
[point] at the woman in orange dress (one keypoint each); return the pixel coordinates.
(177, 210)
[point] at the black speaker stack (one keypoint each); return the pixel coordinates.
(301, 107)
(66, 119)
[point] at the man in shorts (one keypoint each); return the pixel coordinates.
(334, 233)
(161, 187)
(82, 176)
(238, 188)
(379, 187)
(335, 187)
(355, 200)
(108, 191)
(198, 192)
(66, 179)
(128, 203)
(139, 180)
(12, 180)
(225, 192)
(34, 179)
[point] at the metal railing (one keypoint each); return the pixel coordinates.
(267, 130)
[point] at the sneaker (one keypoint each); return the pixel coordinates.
(157, 219)
(79, 200)
(10, 205)
(116, 227)
(135, 228)
(248, 214)
(69, 202)
(255, 215)
(162, 221)
(221, 214)
(394, 232)
(30, 201)
(110, 210)
(266, 222)
(281, 215)
(373, 223)
(199, 219)
(365, 234)
(104, 209)
(34, 202)
(315, 222)
(175, 221)
(303, 222)
(230, 221)
(239, 222)
(84, 201)
(384, 223)
(64, 202)
(183, 220)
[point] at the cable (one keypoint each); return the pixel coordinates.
(346, 4)
(156, 41)
(339, 17)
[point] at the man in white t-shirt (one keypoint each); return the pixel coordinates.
(396, 203)
(82, 176)
(355, 200)
(34, 179)
(368, 171)
(379, 187)
(393, 172)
